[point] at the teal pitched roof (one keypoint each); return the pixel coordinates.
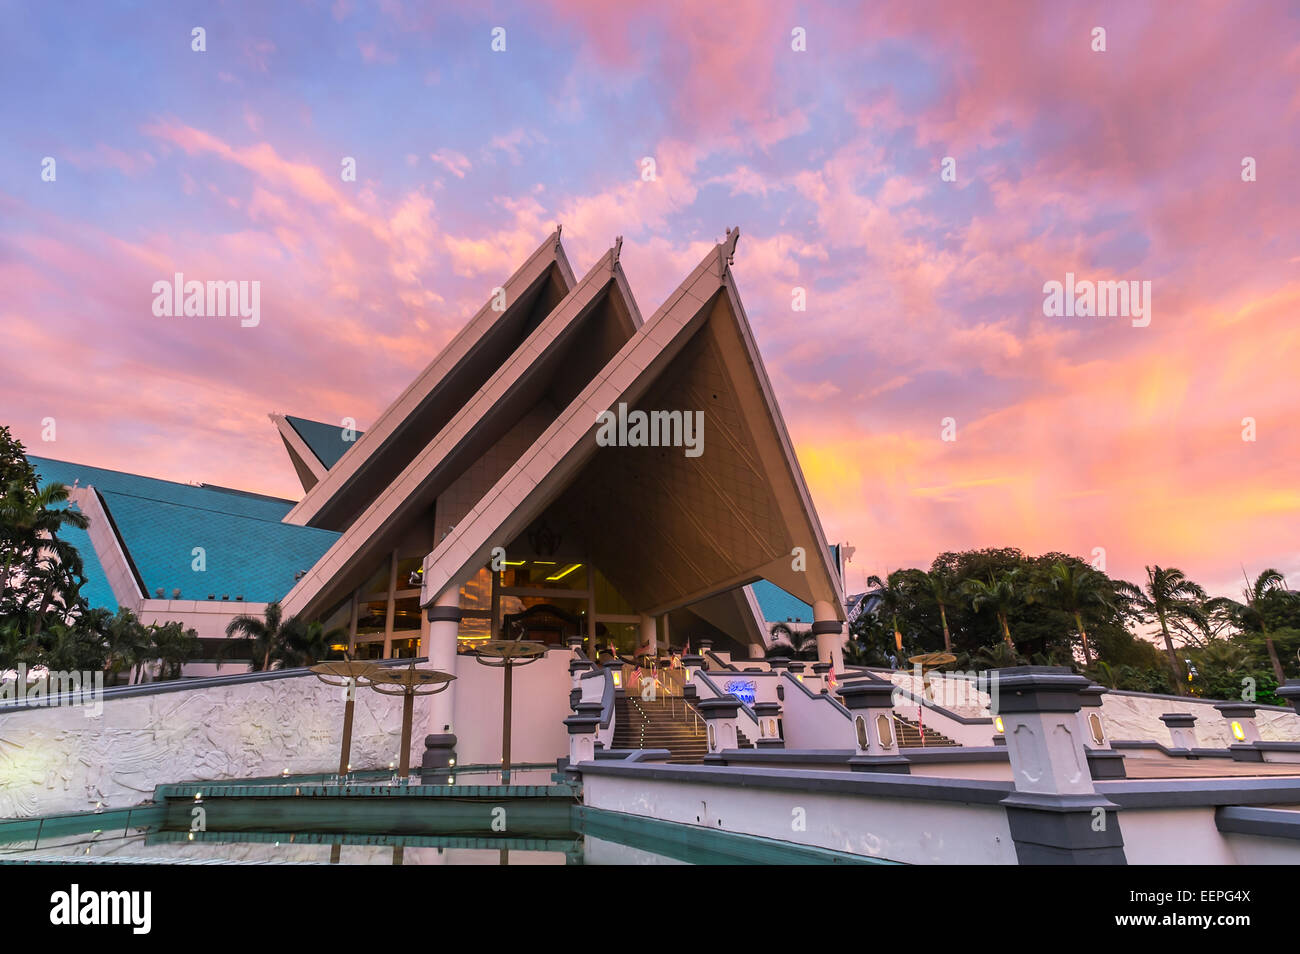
(327, 442)
(778, 606)
(247, 551)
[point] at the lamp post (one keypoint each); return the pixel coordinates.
(408, 683)
(506, 654)
(345, 674)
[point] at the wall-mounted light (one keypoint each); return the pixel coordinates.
(997, 724)
(1238, 732)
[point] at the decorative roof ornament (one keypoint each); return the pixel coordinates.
(618, 248)
(729, 245)
(558, 229)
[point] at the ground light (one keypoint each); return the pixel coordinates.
(506, 654)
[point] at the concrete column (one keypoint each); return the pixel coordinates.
(649, 634)
(1182, 729)
(578, 665)
(769, 725)
(1055, 814)
(757, 652)
(720, 724)
(875, 743)
(582, 737)
(444, 625)
(830, 631)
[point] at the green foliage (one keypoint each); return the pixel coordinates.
(40, 575)
(277, 642)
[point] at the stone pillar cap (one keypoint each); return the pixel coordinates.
(1039, 689)
(796, 666)
(1236, 710)
(692, 659)
(778, 662)
(723, 707)
(868, 695)
(766, 708)
(1178, 720)
(1092, 695)
(1291, 690)
(582, 724)
(821, 667)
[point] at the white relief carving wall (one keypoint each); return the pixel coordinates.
(57, 759)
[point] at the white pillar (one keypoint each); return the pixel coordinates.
(444, 625)
(830, 632)
(649, 634)
(756, 651)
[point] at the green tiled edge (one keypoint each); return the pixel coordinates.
(700, 845)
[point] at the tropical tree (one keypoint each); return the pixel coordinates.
(1168, 598)
(1249, 614)
(1074, 588)
(174, 645)
(288, 642)
(40, 574)
(892, 598)
(794, 644)
(998, 593)
(939, 587)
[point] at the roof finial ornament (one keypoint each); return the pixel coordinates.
(733, 235)
(558, 229)
(618, 248)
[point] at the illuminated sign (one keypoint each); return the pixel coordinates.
(742, 689)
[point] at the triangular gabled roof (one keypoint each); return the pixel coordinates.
(433, 398)
(313, 447)
(668, 530)
(570, 346)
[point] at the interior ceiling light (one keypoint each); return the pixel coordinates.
(563, 573)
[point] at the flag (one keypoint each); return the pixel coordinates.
(830, 676)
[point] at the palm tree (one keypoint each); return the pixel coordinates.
(174, 645)
(288, 641)
(1073, 587)
(999, 595)
(939, 587)
(788, 642)
(1248, 615)
(891, 595)
(32, 522)
(1169, 597)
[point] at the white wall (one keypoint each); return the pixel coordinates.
(813, 722)
(898, 829)
(60, 759)
(540, 703)
(1137, 718)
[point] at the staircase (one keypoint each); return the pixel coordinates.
(661, 723)
(910, 734)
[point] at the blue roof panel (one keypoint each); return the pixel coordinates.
(327, 442)
(247, 550)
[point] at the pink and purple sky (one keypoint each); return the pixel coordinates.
(925, 297)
